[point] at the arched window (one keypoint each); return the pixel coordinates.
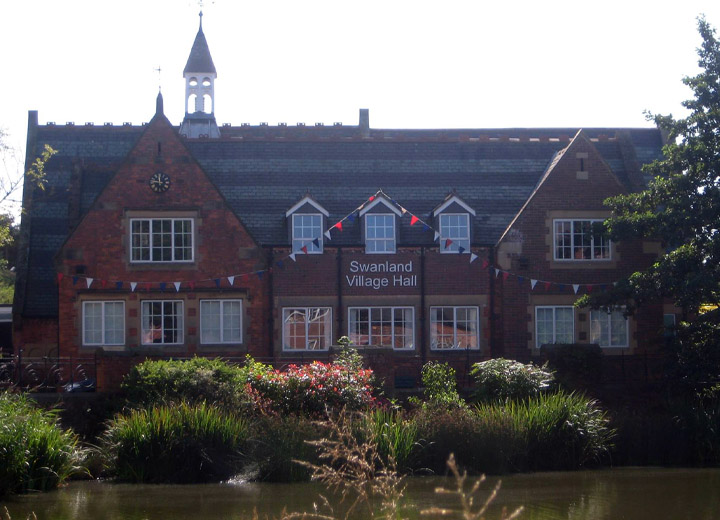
(193, 82)
(192, 104)
(206, 82)
(207, 104)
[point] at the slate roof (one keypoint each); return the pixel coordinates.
(262, 171)
(199, 59)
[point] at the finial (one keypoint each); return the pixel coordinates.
(201, 15)
(159, 104)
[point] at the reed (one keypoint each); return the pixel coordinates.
(35, 453)
(176, 444)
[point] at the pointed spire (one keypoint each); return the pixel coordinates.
(159, 104)
(200, 59)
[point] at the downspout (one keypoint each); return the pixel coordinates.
(491, 288)
(338, 269)
(271, 306)
(423, 336)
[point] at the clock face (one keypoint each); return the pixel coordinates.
(159, 182)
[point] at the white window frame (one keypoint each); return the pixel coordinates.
(132, 248)
(222, 303)
(456, 343)
(598, 315)
(392, 240)
(572, 221)
(103, 304)
(180, 313)
(457, 242)
(370, 343)
(554, 308)
(306, 311)
(299, 242)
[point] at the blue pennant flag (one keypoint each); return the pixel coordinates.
(118, 285)
(260, 275)
(75, 279)
(217, 282)
(461, 249)
(316, 242)
(162, 286)
(426, 227)
(520, 279)
(279, 263)
(351, 217)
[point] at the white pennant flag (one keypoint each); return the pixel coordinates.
(89, 282)
(231, 280)
(177, 286)
(533, 283)
(132, 286)
(327, 234)
(576, 286)
(403, 210)
(497, 272)
(473, 257)
(437, 235)
(293, 257)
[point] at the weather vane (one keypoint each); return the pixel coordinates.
(159, 71)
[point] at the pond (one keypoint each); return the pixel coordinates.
(626, 493)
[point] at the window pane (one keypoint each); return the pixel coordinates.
(618, 329)
(380, 233)
(599, 328)
(318, 328)
(580, 240)
(307, 228)
(210, 322)
(457, 229)
(360, 326)
(162, 322)
(544, 326)
(454, 327)
(232, 331)
(114, 323)
(92, 323)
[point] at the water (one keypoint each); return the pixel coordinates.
(627, 493)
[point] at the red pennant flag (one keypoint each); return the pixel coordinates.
(60, 277)
(547, 286)
(339, 225)
(447, 243)
(103, 283)
(147, 285)
(192, 285)
(304, 249)
(372, 198)
(505, 275)
(485, 264)
(245, 277)
(589, 288)
(413, 220)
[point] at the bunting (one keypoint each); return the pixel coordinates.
(177, 286)
(413, 220)
(231, 280)
(89, 282)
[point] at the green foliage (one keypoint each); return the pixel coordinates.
(180, 443)
(194, 381)
(35, 454)
(440, 385)
(500, 379)
(547, 432)
(394, 434)
(681, 208)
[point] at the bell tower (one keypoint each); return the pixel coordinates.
(200, 78)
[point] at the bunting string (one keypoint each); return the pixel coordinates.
(304, 249)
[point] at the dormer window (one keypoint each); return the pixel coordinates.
(306, 232)
(456, 228)
(306, 224)
(380, 226)
(380, 233)
(453, 224)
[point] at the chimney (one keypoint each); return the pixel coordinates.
(364, 122)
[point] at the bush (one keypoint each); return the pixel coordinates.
(440, 385)
(35, 454)
(506, 379)
(179, 444)
(394, 435)
(314, 388)
(194, 381)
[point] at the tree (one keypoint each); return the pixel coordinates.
(681, 208)
(10, 183)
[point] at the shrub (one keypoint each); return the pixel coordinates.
(180, 444)
(440, 386)
(395, 436)
(314, 388)
(35, 454)
(506, 379)
(194, 381)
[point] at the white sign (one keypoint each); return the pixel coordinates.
(371, 274)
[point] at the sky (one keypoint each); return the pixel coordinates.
(413, 64)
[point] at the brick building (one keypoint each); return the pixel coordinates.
(274, 241)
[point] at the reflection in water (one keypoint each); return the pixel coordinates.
(631, 493)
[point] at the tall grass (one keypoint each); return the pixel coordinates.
(179, 444)
(35, 454)
(396, 436)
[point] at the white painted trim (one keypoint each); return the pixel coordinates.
(572, 234)
(392, 309)
(155, 262)
(381, 200)
(321, 238)
(307, 200)
(306, 309)
(457, 200)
